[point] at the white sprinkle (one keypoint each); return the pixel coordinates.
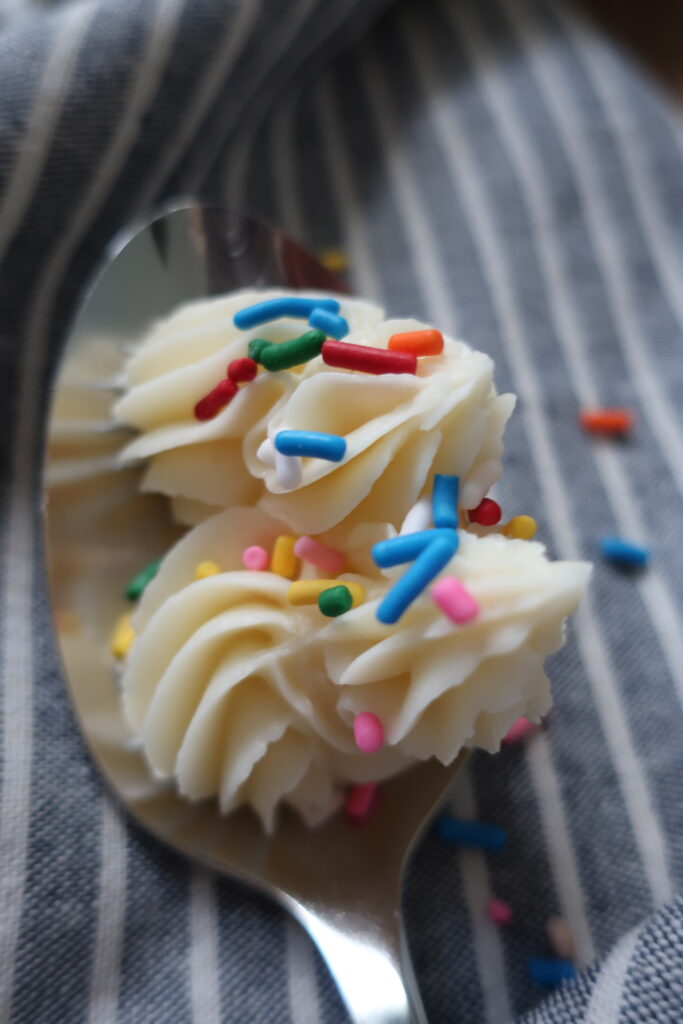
(266, 453)
(287, 471)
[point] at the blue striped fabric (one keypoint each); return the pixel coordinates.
(493, 166)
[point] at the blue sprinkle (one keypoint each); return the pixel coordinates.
(550, 972)
(311, 443)
(445, 501)
(398, 550)
(624, 552)
(331, 323)
(470, 833)
(426, 566)
(272, 309)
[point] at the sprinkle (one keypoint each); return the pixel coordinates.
(334, 260)
(561, 937)
(624, 552)
(470, 833)
(308, 591)
(312, 443)
(293, 352)
(288, 471)
(550, 973)
(135, 588)
(520, 730)
(345, 356)
(454, 600)
(122, 637)
(368, 732)
(487, 513)
(360, 800)
(418, 518)
(331, 323)
(335, 601)
(255, 558)
(273, 309)
(210, 405)
(318, 554)
(418, 343)
(266, 453)
(243, 370)
(606, 421)
(399, 550)
(256, 347)
(206, 569)
(445, 500)
(520, 527)
(426, 566)
(284, 562)
(499, 911)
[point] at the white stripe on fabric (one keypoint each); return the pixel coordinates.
(304, 1005)
(232, 45)
(662, 415)
(33, 147)
(455, 149)
(111, 908)
(529, 169)
(18, 543)
(595, 655)
(204, 994)
(485, 934)
(366, 272)
(605, 1003)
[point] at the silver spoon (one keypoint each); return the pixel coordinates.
(342, 883)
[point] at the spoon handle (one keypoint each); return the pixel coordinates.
(365, 949)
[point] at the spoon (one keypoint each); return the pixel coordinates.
(341, 882)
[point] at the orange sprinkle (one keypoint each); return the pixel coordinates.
(418, 343)
(606, 421)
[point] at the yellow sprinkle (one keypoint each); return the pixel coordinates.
(521, 527)
(205, 569)
(308, 591)
(334, 260)
(284, 562)
(122, 637)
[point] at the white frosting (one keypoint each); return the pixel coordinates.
(400, 428)
(239, 694)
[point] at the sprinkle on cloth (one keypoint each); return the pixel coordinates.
(311, 443)
(308, 591)
(242, 371)
(520, 730)
(292, 353)
(134, 590)
(360, 801)
(255, 558)
(399, 550)
(284, 562)
(624, 553)
(487, 513)
(470, 833)
(331, 323)
(499, 911)
(273, 309)
(550, 973)
(368, 732)
(344, 356)
(206, 569)
(318, 554)
(607, 421)
(561, 937)
(210, 405)
(454, 600)
(418, 343)
(520, 528)
(445, 501)
(122, 637)
(426, 566)
(335, 601)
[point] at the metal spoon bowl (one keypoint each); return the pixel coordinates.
(342, 883)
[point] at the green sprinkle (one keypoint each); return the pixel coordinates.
(294, 352)
(335, 601)
(256, 347)
(137, 585)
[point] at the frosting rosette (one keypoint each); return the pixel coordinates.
(399, 429)
(238, 693)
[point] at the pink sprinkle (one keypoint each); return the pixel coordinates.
(360, 801)
(319, 555)
(561, 937)
(255, 558)
(368, 732)
(454, 600)
(498, 911)
(522, 729)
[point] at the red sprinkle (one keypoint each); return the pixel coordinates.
(360, 800)
(210, 405)
(487, 513)
(606, 421)
(241, 371)
(369, 360)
